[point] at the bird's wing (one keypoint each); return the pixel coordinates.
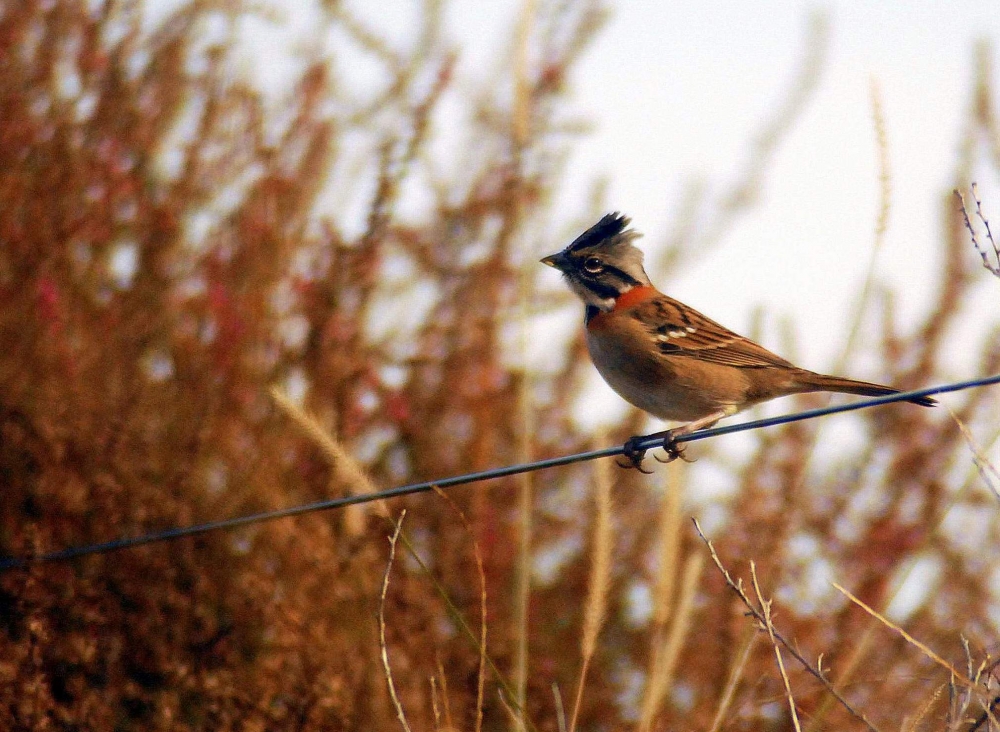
(680, 331)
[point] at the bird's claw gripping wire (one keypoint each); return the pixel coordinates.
(634, 453)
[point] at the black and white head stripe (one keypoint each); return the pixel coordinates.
(602, 264)
(610, 225)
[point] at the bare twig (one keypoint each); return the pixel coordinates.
(988, 472)
(463, 626)
(737, 587)
(965, 698)
(994, 268)
(988, 715)
(400, 715)
(765, 607)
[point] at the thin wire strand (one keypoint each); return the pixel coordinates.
(648, 442)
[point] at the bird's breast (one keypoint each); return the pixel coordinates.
(668, 388)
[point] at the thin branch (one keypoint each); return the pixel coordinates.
(994, 268)
(988, 472)
(816, 672)
(765, 607)
(400, 715)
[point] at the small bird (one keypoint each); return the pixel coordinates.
(667, 358)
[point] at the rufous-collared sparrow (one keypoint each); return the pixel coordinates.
(666, 358)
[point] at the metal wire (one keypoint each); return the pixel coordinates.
(648, 442)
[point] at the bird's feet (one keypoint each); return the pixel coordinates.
(634, 453)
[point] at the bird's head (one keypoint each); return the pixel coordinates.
(602, 263)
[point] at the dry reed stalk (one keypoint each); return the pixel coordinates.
(560, 709)
(400, 714)
(884, 209)
(521, 114)
(347, 472)
(733, 680)
(668, 653)
(910, 725)
(525, 528)
(923, 648)
(669, 537)
(595, 606)
(985, 107)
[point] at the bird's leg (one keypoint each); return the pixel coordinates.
(634, 454)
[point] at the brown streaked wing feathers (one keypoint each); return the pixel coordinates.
(709, 342)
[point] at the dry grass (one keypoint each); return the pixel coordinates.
(596, 605)
(323, 244)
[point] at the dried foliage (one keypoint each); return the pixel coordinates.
(173, 244)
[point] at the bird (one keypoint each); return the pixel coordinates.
(666, 358)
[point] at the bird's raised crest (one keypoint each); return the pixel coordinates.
(610, 225)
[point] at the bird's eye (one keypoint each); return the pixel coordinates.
(593, 265)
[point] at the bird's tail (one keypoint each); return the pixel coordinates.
(820, 382)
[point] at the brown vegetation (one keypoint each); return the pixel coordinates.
(136, 398)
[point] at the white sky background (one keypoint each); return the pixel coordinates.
(677, 91)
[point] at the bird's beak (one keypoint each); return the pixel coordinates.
(554, 260)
